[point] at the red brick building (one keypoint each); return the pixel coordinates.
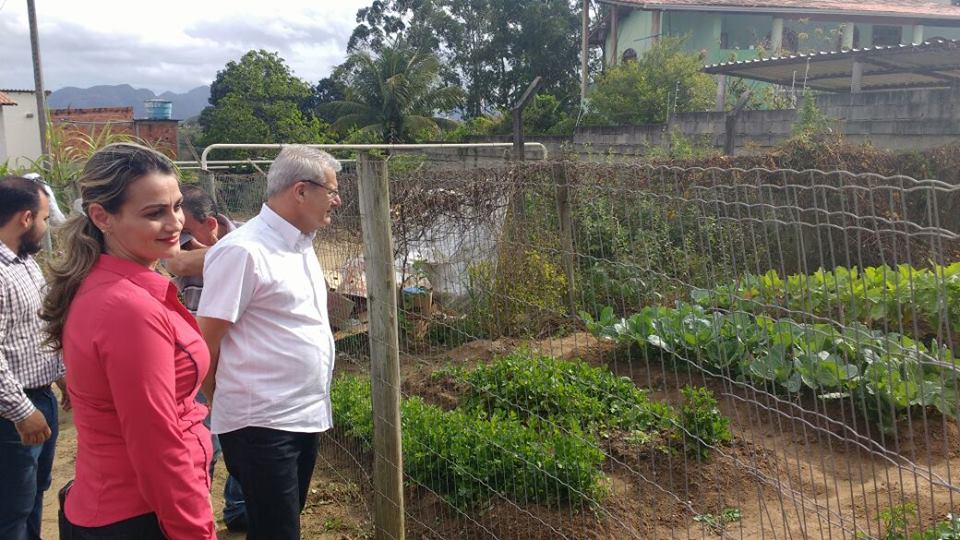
(161, 134)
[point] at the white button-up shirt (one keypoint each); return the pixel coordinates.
(276, 361)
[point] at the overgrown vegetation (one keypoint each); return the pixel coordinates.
(633, 247)
(811, 122)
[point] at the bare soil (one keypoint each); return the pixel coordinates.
(795, 469)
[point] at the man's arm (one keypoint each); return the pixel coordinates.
(14, 403)
(187, 263)
(213, 331)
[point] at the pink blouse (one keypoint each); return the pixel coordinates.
(135, 360)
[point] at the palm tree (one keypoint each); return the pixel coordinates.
(395, 95)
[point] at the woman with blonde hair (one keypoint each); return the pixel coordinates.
(134, 357)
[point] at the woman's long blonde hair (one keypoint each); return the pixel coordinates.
(104, 181)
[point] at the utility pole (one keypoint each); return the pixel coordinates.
(38, 78)
(584, 49)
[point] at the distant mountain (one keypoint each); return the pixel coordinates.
(185, 105)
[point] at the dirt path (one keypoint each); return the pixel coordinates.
(335, 508)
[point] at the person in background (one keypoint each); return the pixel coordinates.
(134, 358)
(272, 348)
(28, 406)
(203, 226)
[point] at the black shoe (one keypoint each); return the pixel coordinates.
(237, 524)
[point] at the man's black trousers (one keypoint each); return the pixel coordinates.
(274, 469)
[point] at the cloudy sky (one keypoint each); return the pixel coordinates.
(171, 45)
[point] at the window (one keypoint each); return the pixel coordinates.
(885, 36)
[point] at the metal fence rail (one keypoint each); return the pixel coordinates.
(591, 351)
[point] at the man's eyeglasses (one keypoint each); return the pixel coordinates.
(334, 194)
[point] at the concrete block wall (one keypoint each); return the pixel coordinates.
(896, 120)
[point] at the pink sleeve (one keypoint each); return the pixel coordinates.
(137, 351)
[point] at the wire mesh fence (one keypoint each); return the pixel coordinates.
(628, 351)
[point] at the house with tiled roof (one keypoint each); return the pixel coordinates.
(724, 30)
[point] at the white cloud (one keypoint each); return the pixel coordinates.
(174, 45)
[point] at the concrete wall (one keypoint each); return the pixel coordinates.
(757, 131)
(21, 129)
(896, 120)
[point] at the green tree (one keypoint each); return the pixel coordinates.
(259, 100)
(666, 78)
(395, 95)
(492, 48)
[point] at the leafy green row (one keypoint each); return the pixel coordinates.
(885, 373)
(536, 386)
(468, 456)
(894, 297)
(533, 385)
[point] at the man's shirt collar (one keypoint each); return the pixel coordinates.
(7, 256)
(292, 237)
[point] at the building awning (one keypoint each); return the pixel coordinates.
(932, 64)
(5, 100)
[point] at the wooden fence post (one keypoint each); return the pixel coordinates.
(384, 346)
(209, 184)
(566, 233)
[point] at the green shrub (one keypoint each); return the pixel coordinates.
(664, 80)
(523, 296)
(702, 423)
(545, 388)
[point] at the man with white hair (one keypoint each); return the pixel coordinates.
(271, 344)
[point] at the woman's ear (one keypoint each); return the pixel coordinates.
(99, 216)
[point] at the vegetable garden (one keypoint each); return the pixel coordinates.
(630, 351)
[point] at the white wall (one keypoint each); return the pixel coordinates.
(3, 139)
(21, 132)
